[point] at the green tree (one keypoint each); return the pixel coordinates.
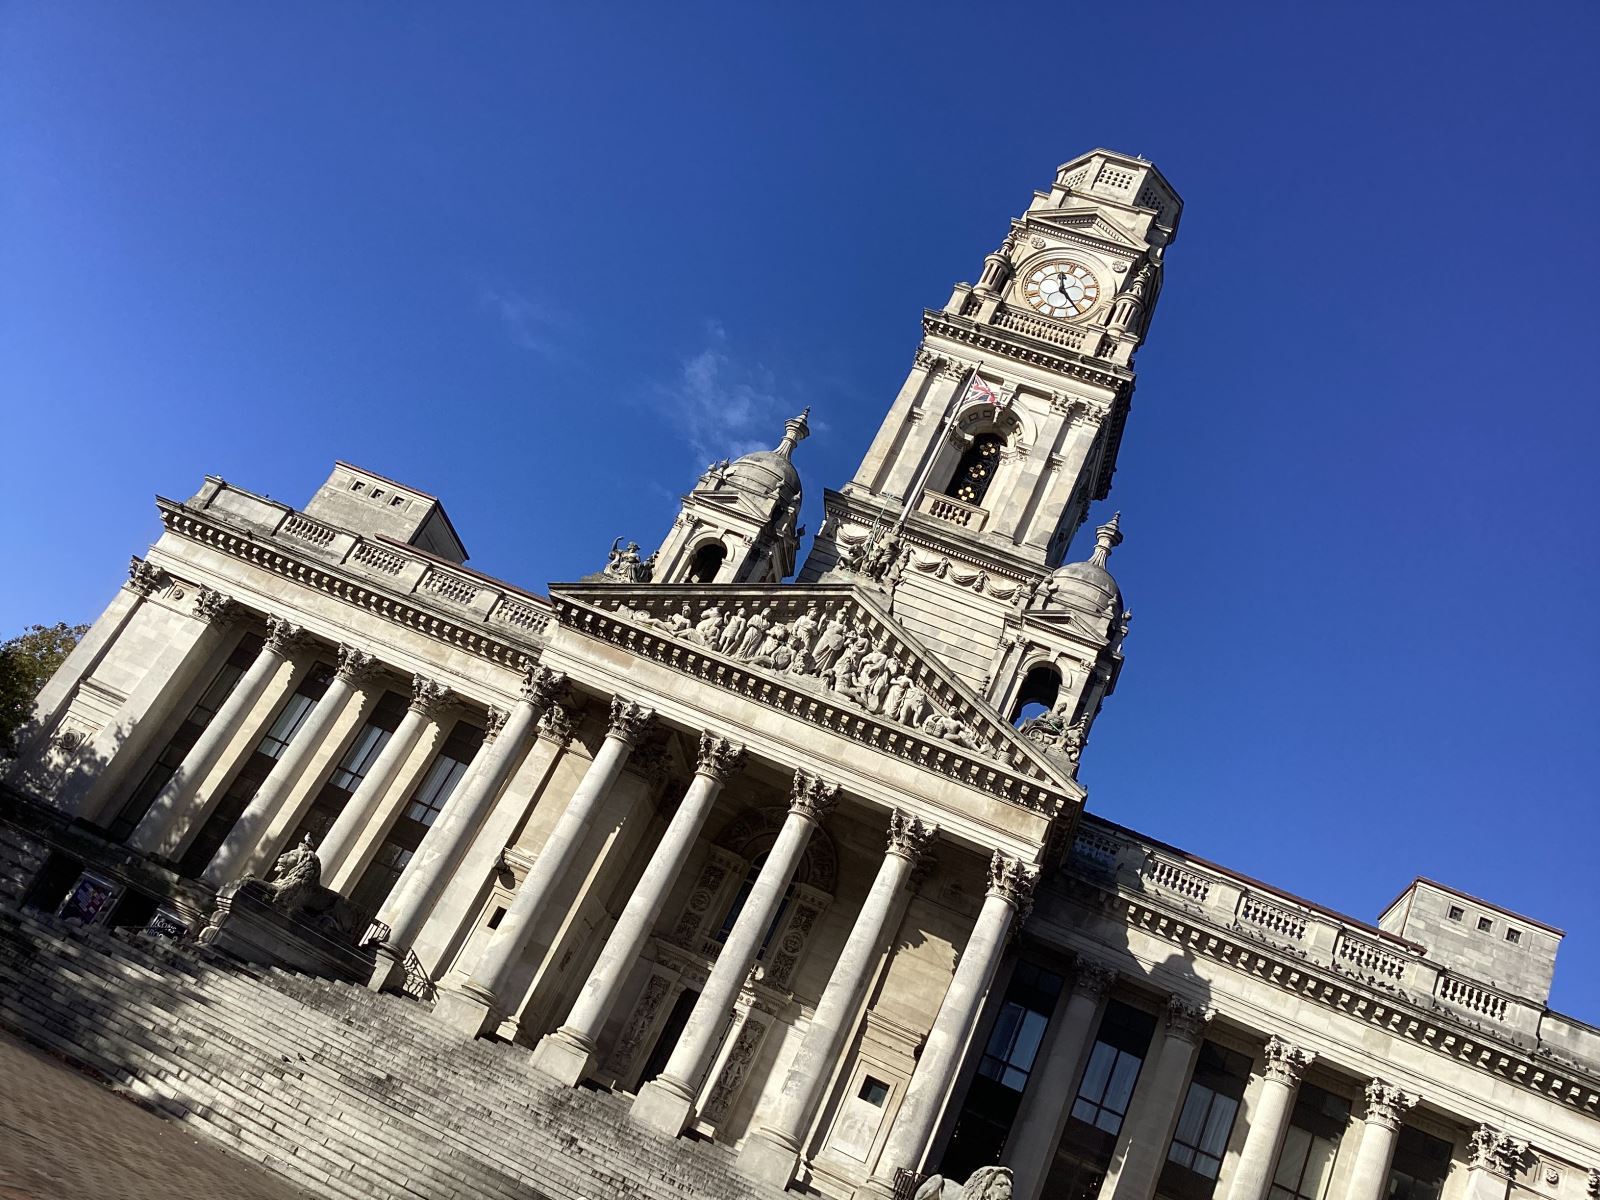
(26, 662)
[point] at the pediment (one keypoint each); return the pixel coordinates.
(831, 654)
(1083, 221)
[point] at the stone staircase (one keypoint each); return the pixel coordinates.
(343, 1092)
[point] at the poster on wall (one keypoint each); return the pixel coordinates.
(168, 924)
(90, 899)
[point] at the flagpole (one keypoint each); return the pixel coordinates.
(950, 408)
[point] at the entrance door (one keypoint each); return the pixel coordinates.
(670, 1032)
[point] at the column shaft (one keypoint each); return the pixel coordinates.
(1269, 1121)
(772, 1154)
(334, 853)
(666, 1103)
(1369, 1174)
(1157, 1100)
(447, 839)
(157, 832)
(238, 852)
(1031, 1147)
(477, 1005)
(1010, 885)
(568, 1053)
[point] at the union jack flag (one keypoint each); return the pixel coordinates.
(977, 389)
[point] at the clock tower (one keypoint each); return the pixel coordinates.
(1004, 433)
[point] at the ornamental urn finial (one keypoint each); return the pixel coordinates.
(1106, 539)
(795, 431)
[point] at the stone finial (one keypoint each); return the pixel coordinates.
(1286, 1062)
(795, 431)
(909, 836)
(356, 666)
(1387, 1104)
(812, 796)
(214, 608)
(1106, 539)
(628, 720)
(428, 699)
(1012, 881)
(1187, 1020)
(718, 758)
(1491, 1150)
(283, 636)
(1092, 977)
(142, 577)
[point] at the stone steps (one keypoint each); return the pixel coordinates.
(347, 1093)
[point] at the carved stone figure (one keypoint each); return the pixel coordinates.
(872, 677)
(802, 633)
(986, 1183)
(705, 632)
(755, 629)
(296, 873)
(728, 640)
(623, 564)
(831, 643)
(679, 622)
(913, 707)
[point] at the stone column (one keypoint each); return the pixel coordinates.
(1386, 1109)
(240, 850)
(1010, 891)
(1157, 1100)
(666, 1103)
(772, 1154)
(568, 1053)
(100, 766)
(1269, 1122)
(156, 834)
(447, 839)
(1493, 1160)
(477, 1005)
(1043, 1116)
(428, 700)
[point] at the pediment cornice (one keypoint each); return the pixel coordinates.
(950, 731)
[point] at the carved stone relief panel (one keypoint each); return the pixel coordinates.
(736, 1067)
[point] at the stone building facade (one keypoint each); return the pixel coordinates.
(804, 868)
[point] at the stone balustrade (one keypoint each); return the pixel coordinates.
(1108, 854)
(406, 569)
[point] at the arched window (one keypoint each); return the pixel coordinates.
(975, 471)
(1037, 695)
(739, 901)
(707, 562)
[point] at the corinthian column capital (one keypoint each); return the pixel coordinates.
(628, 720)
(142, 577)
(1492, 1150)
(1012, 881)
(428, 699)
(719, 758)
(1186, 1020)
(812, 796)
(1093, 978)
(1286, 1062)
(540, 686)
(214, 608)
(909, 837)
(355, 666)
(1387, 1104)
(283, 637)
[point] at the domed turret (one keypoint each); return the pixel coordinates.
(738, 525)
(1088, 585)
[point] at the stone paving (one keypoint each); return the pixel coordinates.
(63, 1135)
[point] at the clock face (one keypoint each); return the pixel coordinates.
(1062, 288)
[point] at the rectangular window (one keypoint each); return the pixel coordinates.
(1421, 1163)
(1306, 1164)
(183, 739)
(1513, 936)
(353, 766)
(1204, 1123)
(1485, 924)
(1107, 1088)
(1456, 912)
(1101, 1103)
(1003, 1069)
(421, 809)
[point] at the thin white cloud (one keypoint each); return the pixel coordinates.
(530, 323)
(725, 406)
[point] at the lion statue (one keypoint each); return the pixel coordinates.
(986, 1183)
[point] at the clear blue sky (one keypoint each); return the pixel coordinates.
(546, 261)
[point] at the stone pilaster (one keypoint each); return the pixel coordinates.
(1269, 1120)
